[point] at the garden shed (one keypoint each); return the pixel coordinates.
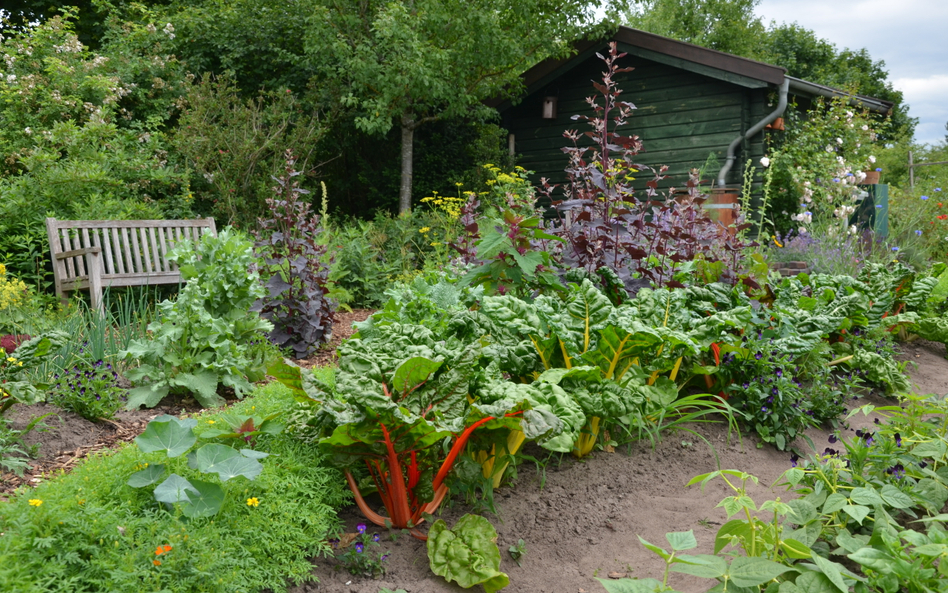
(692, 102)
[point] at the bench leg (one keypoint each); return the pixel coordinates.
(94, 268)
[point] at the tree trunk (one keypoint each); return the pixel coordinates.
(408, 134)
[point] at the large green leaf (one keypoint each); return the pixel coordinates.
(146, 395)
(514, 313)
(175, 489)
(169, 434)
(468, 554)
(814, 582)
(832, 572)
(203, 385)
(226, 462)
(857, 512)
(147, 476)
(206, 502)
(411, 373)
(619, 346)
(702, 565)
(750, 572)
(878, 560)
(896, 498)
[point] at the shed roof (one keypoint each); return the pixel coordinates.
(687, 56)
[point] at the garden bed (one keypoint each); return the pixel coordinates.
(582, 519)
(578, 519)
(68, 438)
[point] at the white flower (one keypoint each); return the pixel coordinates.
(11, 78)
(151, 28)
(872, 159)
(765, 162)
(169, 31)
(802, 231)
(28, 131)
(829, 148)
(860, 175)
(865, 127)
(852, 230)
(839, 141)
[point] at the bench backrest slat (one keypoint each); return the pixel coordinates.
(131, 251)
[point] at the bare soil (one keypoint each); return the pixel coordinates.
(578, 519)
(582, 519)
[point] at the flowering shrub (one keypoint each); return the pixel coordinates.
(82, 132)
(825, 157)
(12, 290)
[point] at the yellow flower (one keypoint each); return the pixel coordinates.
(425, 229)
(11, 359)
(459, 184)
(211, 421)
(35, 502)
(253, 502)
(776, 242)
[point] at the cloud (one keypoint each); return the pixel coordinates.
(908, 37)
(926, 96)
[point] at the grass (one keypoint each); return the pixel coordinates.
(94, 533)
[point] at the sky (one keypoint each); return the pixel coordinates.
(910, 36)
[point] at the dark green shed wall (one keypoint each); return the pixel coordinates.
(681, 117)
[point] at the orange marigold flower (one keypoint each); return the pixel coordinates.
(162, 549)
(156, 562)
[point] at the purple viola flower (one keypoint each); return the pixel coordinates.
(758, 356)
(896, 471)
(832, 439)
(898, 440)
(375, 538)
(794, 458)
(359, 548)
(830, 452)
(360, 527)
(779, 373)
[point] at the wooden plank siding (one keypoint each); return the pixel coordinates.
(681, 116)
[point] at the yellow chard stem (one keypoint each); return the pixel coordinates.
(674, 372)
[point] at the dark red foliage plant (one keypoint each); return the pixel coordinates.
(287, 245)
(661, 242)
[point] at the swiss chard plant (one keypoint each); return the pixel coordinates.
(615, 367)
(202, 339)
(287, 244)
(401, 410)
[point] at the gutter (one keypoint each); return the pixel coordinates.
(811, 88)
(732, 148)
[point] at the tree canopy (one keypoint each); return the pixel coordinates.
(408, 62)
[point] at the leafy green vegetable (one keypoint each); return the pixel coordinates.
(468, 554)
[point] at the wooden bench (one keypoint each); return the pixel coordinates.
(97, 254)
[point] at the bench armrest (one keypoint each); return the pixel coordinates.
(78, 252)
